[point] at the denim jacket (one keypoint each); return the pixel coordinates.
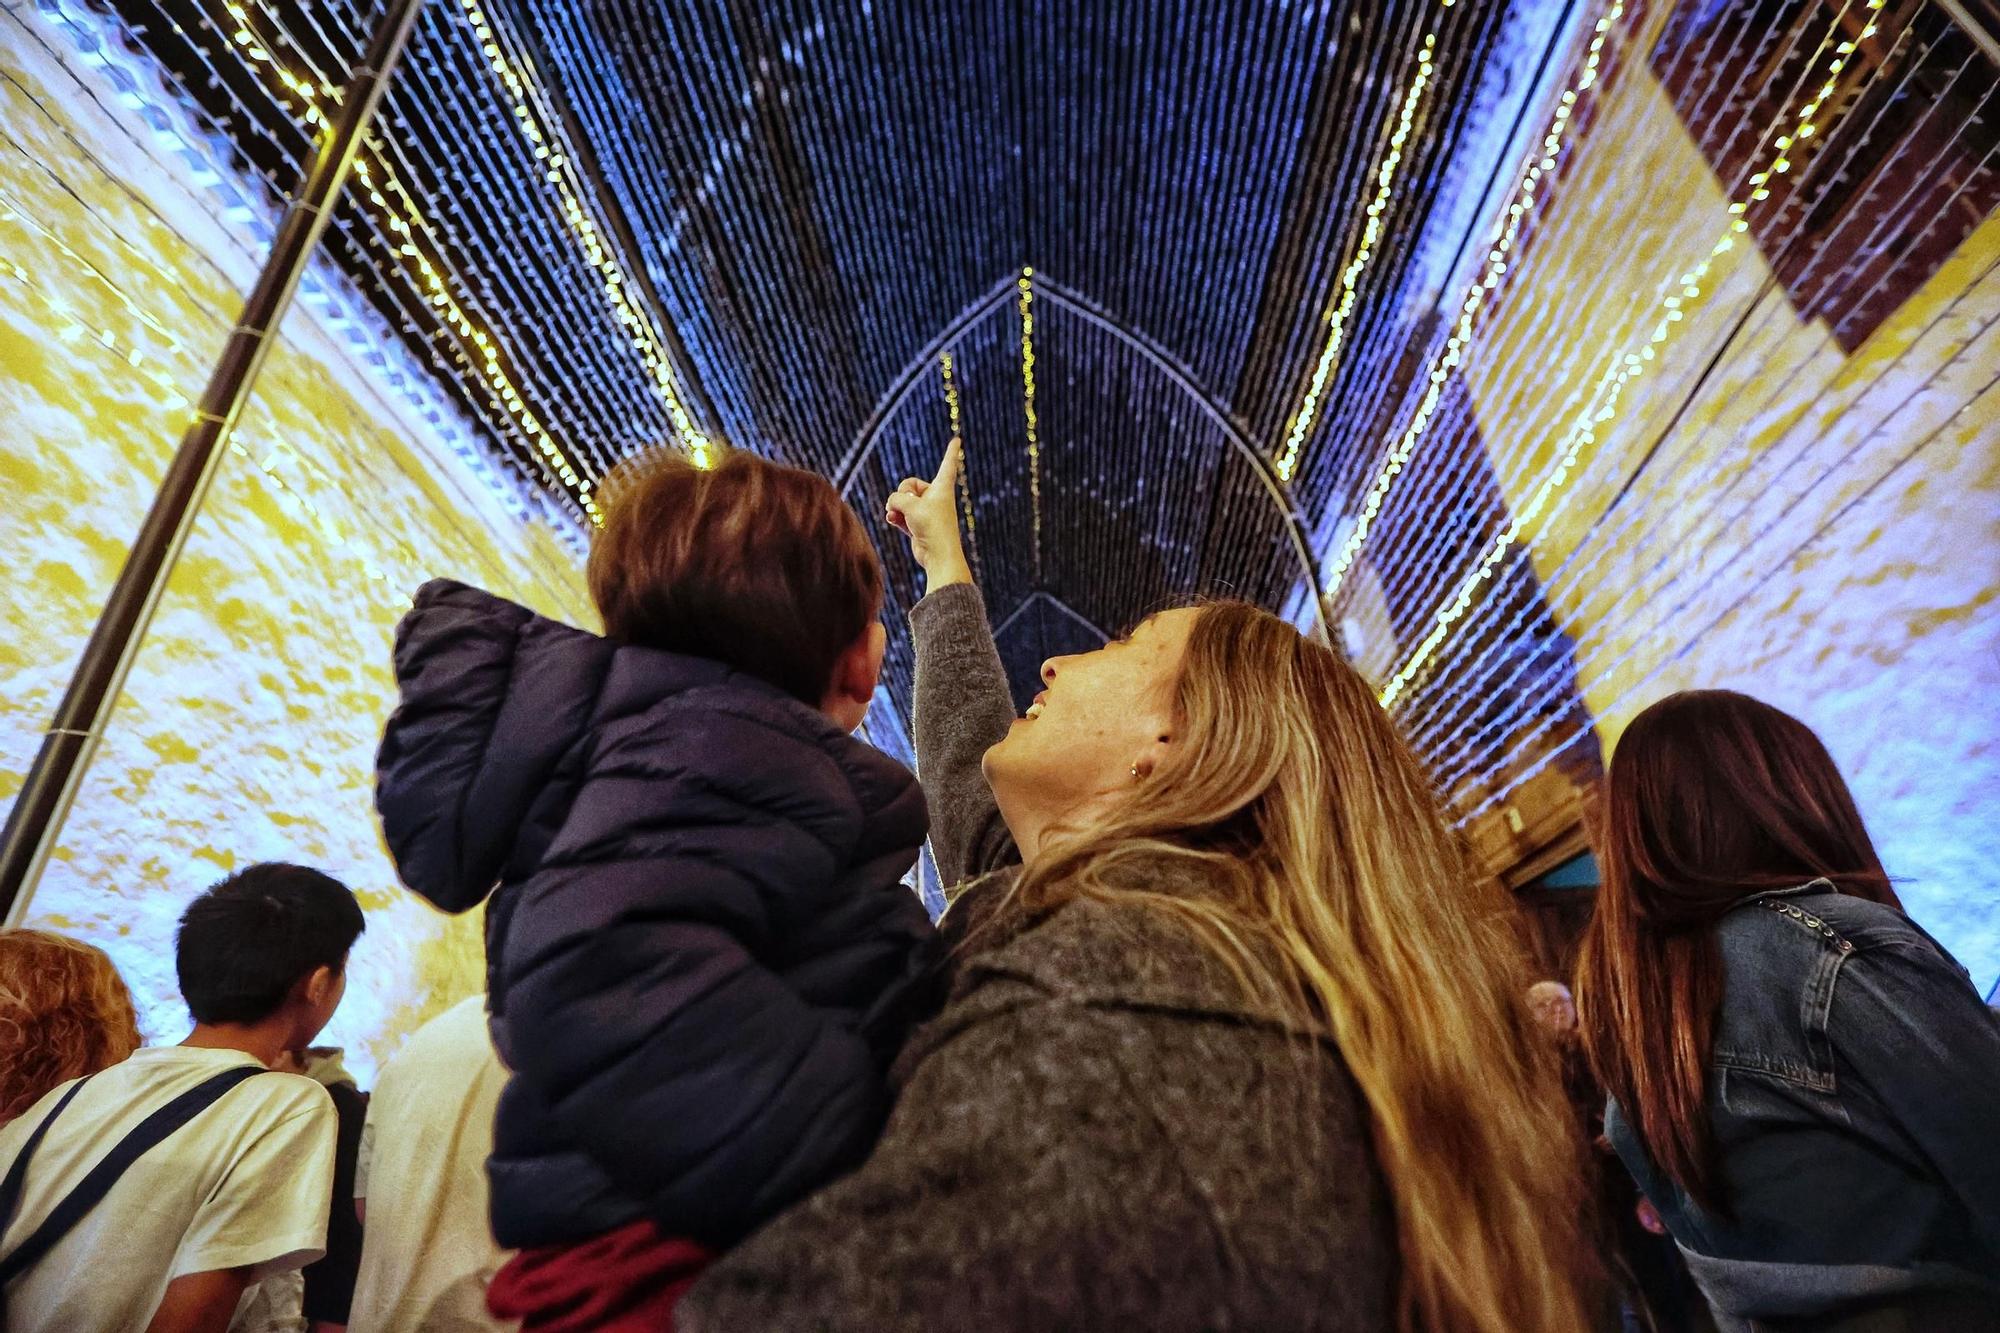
(1855, 1095)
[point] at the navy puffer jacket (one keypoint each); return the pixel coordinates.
(700, 959)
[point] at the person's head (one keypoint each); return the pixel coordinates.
(1711, 797)
(1552, 1006)
(756, 565)
(1103, 723)
(1221, 740)
(268, 945)
(64, 1013)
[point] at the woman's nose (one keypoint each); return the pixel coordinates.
(1049, 671)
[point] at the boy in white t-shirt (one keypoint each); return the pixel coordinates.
(237, 1191)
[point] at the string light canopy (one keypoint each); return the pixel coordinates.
(611, 226)
(1198, 283)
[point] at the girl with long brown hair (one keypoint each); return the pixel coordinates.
(64, 1013)
(1804, 1083)
(1234, 1038)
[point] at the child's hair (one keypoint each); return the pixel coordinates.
(245, 943)
(756, 565)
(64, 1013)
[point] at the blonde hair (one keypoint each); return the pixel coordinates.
(1343, 899)
(64, 1013)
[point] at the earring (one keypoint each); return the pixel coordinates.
(1135, 772)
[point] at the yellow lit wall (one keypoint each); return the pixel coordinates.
(1819, 529)
(248, 726)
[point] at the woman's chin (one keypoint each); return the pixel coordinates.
(1006, 759)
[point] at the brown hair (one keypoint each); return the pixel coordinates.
(1711, 797)
(64, 1013)
(754, 564)
(1344, 900)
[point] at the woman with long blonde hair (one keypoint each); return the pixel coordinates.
(1234, 1038)
(64, 1013)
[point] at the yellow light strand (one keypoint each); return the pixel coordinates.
(13, 213)
(72, 328)
(1453, 352)
(1603, 407)
(406, 225)
(1364, 251)
(589, 237)
(946, 374)
(134, 355)
(1026, 285)
(172, 400)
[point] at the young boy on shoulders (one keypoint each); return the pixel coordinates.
(152, 1196)
(701, 957)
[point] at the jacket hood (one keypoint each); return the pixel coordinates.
(499, 712)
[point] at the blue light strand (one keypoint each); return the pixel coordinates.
(1349, 291)
(544, 128)
(1445, 360)
(1389, 324)
(521, 213)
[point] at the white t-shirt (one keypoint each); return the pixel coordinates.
(245, 1184)
(427, 1251)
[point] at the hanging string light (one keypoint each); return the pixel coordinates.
(1350, 278)
(559, 172)
(1602, 407)
(1423, 549)
(947, 375)
(1026, 287)
(1456, 739)
(1433, 716)
(1452, 354)
(405, 223)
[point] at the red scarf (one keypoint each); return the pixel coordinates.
(625, 1281)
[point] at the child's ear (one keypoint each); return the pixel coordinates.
(876, 637)
(855, 676)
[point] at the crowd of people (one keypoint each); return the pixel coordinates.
(1220, 1029)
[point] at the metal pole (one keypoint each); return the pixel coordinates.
(1981, 38)
(37, 817)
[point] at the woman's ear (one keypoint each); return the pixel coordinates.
(1151, 757)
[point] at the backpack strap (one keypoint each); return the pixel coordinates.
(90, 1191)
(17, 1174)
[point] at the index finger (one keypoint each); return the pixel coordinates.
(947, 473)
